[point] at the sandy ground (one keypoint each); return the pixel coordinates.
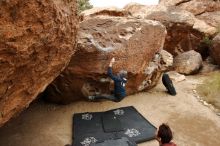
(194, 124)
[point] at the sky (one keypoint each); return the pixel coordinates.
(120, 3)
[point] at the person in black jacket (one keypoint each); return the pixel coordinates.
(119, 85)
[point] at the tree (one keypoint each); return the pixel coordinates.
(83, 5)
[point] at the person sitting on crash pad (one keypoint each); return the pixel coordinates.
(119, 85)
(165, 135)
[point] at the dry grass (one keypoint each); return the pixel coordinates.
(210, 89)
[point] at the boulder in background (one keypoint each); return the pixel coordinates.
(184, 31)
(134, 43)
(188, 62)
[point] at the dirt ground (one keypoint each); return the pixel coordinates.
(194, 124)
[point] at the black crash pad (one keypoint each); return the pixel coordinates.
(167, 82)
(115, 142)
(111, 123)
(97, 127)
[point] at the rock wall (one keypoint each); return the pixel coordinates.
(135, 44)
(184, 31)
(37, 40)
(206, 10)
(196, 7)
(211, 18)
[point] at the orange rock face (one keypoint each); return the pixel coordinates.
(133, 42)
(37, 40)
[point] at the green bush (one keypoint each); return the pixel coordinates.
(83, 5)
(206, 40)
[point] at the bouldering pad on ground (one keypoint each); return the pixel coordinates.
(116, 142)
(97, 127)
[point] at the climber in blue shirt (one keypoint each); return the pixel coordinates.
(119, 85)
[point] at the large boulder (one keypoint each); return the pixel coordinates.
(172, 2)
(188, 62)
(211, 18)
(37, 41)
(103, 11)
(135, 44)
(184, 31)
(196, 7)
(215, 50)
(206, 10)
(134, 7)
